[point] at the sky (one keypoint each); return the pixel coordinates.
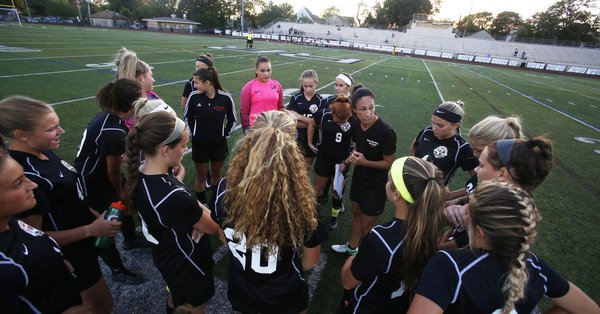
(450, 9)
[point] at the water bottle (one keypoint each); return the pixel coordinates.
(113, 213)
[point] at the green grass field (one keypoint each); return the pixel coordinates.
(561, 107)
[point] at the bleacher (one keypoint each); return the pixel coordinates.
(440, 43)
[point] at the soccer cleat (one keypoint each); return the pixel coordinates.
(208, 183)
(332, 223)
(126, 276)
(344, 249)
(343, 208)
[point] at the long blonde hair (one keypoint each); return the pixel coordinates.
(270, 198)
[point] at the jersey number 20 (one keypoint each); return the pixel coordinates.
(259, 262)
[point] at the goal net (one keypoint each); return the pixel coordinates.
(10, 15)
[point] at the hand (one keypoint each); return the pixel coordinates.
(457, 215)
(103, 228)
(312, 147)
(197, 235)
(343, 166)
(356, 158)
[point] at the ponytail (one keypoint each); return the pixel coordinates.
(119, 96)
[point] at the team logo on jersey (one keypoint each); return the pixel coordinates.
(29, 229)
(372, 143)
(68, 166)
(345, 126)
(313, 108)
(440, 152)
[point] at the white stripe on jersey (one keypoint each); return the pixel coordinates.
(37, 173)
(536, 266)
(359, 299)
(460, 273)
(296, 266)
(9, 261)
(31, 306)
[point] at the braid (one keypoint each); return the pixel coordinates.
(133, 165)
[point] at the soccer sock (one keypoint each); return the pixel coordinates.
(336, 205)
(201, 196)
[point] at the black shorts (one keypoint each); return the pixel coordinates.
(297, 303)
(249, 41)
(371, 200)
(205, 153)
(83, 256)
(303, 145)
(325, 166)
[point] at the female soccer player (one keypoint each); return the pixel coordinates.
(34, 131)
(442, 144)
(266, 208)
(372, 157)
(381, 278)
(333, 148)
(203, 61)
(304, 104)
(498, 273)
(173, 220)
(210, 115)
(261, 94)
(34, 276)
(98, 162)
(342, 87)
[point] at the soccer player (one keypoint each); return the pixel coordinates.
(259, 95)
(304, 104)
(333, 149)
(381, 278)
(203, 61)
(173, 219)
(210, 115)
(266, 208)
(34, 276)
(498, 273)
(442, 144)
(98, 162)
(34, 131)
(372, 157)
(343, 87)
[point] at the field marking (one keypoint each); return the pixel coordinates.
(434, 82)
(359, 70)
(88, 56)
(537, 101)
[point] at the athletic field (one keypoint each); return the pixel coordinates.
(65, 66)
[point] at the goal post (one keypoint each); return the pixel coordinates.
(9, 14)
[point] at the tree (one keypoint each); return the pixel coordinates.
(473, 23)
(398, 13)
(271, 12)
(505, 23)
(329, 12)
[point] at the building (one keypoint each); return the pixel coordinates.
(304, 14)
(171, 24)
(109, 19)
(338, 20)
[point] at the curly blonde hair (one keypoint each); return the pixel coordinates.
(509, 218)
(270, 198)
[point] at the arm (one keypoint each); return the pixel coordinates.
(346, 276)
(358, 159)
(98, 228)
(280, 101)
(113, 172)
(183, 102)
(413, 148)
(231, 120)
(205, 223)
(179, 172)
(421, 304)
(310, 257)
(245, 105)
(575, 301)
(310, 133)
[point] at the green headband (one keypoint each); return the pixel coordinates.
(397, 174)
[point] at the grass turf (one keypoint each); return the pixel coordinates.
(61, 74)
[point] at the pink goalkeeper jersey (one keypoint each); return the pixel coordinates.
(257, 97)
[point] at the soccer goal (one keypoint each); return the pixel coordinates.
(9, 14)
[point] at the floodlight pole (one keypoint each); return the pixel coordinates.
(27, 7)
(242, 17)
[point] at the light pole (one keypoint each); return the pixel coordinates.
(242, 17)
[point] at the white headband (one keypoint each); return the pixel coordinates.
(344, 78)
(163, 107)
(177, 131)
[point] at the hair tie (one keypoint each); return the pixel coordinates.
(177, 131)
(345, 79)
(430, 179)
(447, 115)
(504, 149)
(397, 174)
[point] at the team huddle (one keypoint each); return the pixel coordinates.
(463, 251)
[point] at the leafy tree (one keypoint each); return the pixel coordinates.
(398, 13)
(329, 12)
(506, 22)
(272, 11)
(475, 22)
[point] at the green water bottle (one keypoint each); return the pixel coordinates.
(113, 213)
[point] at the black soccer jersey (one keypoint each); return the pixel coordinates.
(470, 281)
(104, 136)
(189, 87)
(38, 277)
(210, 120)
(305, 107)
(270, 283)
(336, 139)
(377, 265)
(373, 143)
(447, 154)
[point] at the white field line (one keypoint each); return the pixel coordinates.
(536, 101)
(434, 82)
(109, 55)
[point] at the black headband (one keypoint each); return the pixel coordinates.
(205, 60)
(447, 115)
